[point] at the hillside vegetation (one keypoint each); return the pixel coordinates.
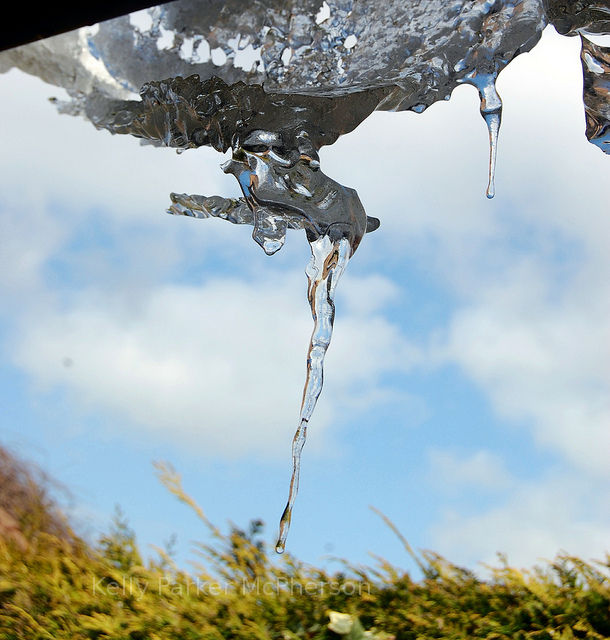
(54, 585)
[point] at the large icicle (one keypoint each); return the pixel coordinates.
(328, 261)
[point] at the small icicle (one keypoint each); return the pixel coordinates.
(493, 126)
(328, 261)
(269, 230)
(491, 110)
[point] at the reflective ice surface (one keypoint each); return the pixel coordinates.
(491, 110)
(596, 92)
(589, 19)
(281, 191)
(275, 80)
(328, 261)
(324, 66)
(419, 49)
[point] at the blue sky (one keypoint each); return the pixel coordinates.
(467, 388)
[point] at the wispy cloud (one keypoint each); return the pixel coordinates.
(562, 511)
(480, 471)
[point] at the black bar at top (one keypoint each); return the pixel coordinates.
(27, 22)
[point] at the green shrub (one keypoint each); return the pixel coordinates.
(55, 586)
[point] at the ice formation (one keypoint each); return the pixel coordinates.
(275, 80)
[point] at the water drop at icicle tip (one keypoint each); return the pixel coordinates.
(328, 261)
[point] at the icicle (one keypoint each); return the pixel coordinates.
(328, 261)
(491, 110)
(281, 194)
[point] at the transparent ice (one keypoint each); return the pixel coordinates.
(275, 80)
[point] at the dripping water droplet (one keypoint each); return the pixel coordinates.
(328, 261)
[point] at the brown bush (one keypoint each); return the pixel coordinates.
(26, 505)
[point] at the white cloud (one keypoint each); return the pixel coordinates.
(66, 159)
(481, 471)
(436, 163)
(530, 273)
(358, 297)
(29, 237)
(530, 270)
(543, 356)
(219, 365)
(537, 520)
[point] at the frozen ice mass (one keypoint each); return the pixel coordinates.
(273, 81)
